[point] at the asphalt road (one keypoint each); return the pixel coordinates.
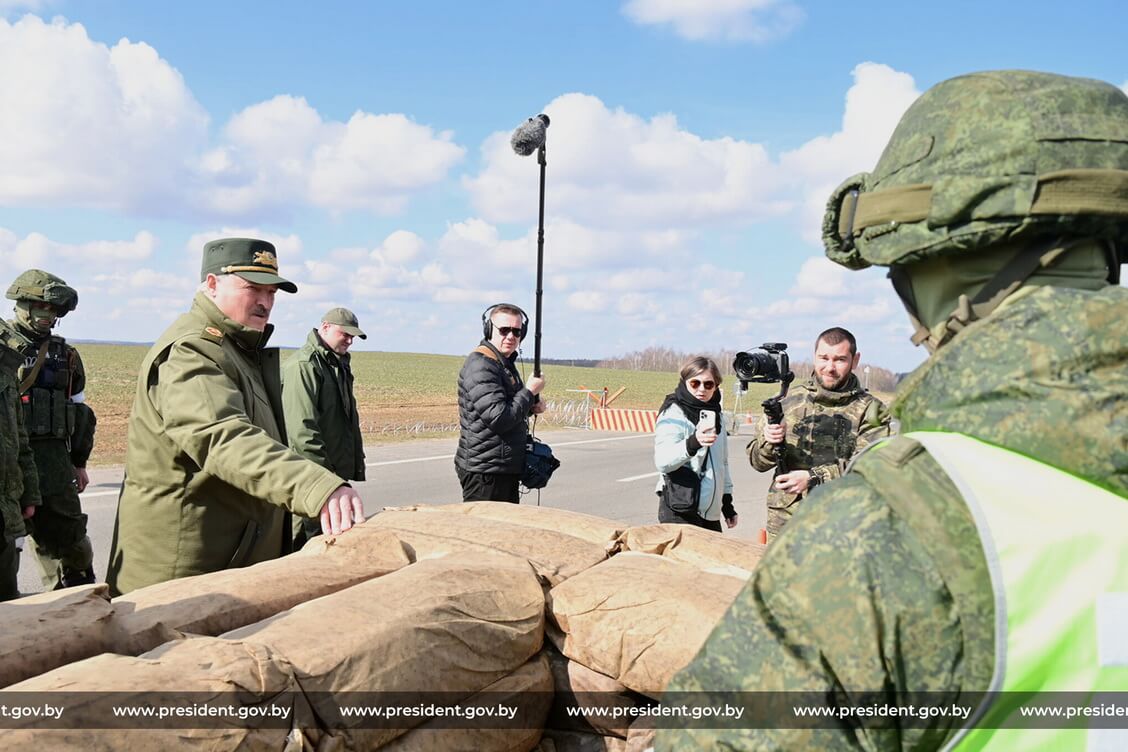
(602, 473)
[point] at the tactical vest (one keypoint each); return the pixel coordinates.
(48, 410)
(1054, 546)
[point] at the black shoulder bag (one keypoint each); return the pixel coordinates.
(682, 490)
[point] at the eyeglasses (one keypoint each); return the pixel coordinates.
(505, 331)
(698, 383)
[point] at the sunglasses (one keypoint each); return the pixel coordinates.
(698, 383)
(505, 331)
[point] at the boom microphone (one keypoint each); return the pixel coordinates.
(530, 135)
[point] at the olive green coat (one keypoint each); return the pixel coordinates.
(322, 421)
(879, 586)
(208, 473)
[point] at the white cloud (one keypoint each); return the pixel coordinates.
(613, 169)
(37, 250)
(91, 125)
(117, 128)
(874, 105)
(400, 247)
(733, 20)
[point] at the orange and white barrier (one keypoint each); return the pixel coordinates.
(615, 419)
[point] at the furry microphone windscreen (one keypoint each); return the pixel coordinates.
(530, 135)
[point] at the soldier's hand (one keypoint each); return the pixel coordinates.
(28, 512)
(774, 433)
(81, 479)
(795, 482)
(341, 511)
(535, 384)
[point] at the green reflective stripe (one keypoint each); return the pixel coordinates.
(1059, 192)
(1059, 541)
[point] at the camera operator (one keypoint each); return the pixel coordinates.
(826, 421)
(493, 406)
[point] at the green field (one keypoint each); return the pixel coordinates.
(401, 395)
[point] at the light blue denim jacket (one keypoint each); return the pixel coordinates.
(670, 433)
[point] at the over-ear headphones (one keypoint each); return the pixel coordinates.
(487, 324)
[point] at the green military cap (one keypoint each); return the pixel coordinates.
(345, 319)
(253, 260)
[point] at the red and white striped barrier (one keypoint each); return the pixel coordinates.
(615, 419)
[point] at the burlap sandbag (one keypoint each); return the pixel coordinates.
(584, 526)
(528, 689)
(577, 686)
(41, 632)
(555, 740)
(555, 556)
(704, 549)
(214, 603)
(638, 618)
(246, 675)
(453, 624)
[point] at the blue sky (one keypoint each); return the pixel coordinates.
(693, 143)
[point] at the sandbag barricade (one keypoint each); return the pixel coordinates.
(184, 673)
(217, 602)
(555, 556)
(638, 618)
(704, 549)
(455, 624)
(584, 526)
(577, 686)
(42, 632)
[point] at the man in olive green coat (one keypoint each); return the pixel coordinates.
(999, 207)
(19, 482)
(322, 421)
(208, 475)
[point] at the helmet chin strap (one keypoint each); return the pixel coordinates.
(998, 288)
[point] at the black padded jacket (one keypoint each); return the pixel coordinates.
(493, 406)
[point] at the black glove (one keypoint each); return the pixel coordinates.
(692, 444)
(728, 511)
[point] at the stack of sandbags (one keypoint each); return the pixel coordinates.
(454, 624)
(584, 526)
(704, 549)
(578, 687)
(185, 674)
(528, 689)
(638, 618)
(41, 632)
(427, 534)
(217, 602)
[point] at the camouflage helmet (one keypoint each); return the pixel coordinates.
(44, 287)
(986, 158)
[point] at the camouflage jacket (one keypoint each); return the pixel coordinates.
(824, 430)
(208, 474)
(19, 483)
(879, 583)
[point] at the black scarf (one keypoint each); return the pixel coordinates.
(691, 406)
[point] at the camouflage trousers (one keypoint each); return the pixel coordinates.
(778, 516)
(59, 525)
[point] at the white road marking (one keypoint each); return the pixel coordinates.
(639, 477)
(92, 494)
(554, 446)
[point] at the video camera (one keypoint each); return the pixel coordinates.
(767, 365)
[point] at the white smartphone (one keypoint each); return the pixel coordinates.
(707, 420)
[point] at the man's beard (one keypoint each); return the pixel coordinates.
(836, 385)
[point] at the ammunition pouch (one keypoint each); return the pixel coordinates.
(48, 414)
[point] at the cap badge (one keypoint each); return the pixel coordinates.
(266, 258)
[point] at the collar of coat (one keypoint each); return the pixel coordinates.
(840, 396)
(243, 336)
(314, 340)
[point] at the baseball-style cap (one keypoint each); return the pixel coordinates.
(253, 260)
(345, 319)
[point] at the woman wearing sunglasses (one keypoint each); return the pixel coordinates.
(691, 451)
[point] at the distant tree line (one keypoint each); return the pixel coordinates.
(665, 359)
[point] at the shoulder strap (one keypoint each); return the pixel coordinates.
(483, 350)
(30, 378)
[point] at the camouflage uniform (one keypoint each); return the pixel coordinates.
(19, 483)
(61, 427)
(879, 585)
(825, 428)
